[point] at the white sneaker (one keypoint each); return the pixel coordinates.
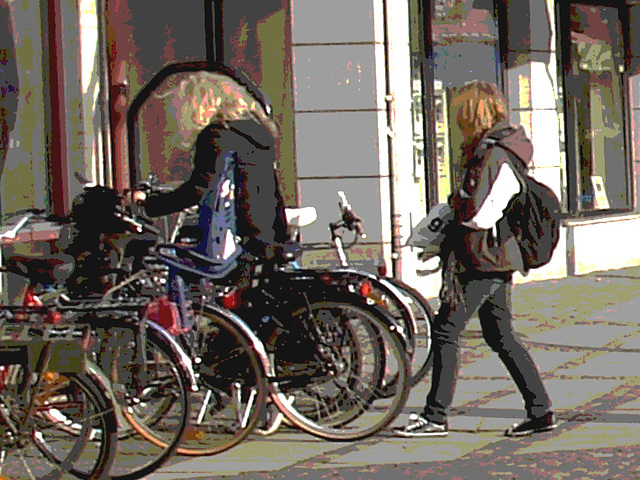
(421, 427)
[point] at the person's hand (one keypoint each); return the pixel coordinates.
(139, 197)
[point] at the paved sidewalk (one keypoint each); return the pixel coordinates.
(584, 334)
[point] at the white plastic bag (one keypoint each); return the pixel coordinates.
(429, 233)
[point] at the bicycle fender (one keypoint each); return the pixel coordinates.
(391, 290)
(346, 280)
(101, 378)
(184, 362)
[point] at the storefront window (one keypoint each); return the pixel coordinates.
(594, 67)
(418, 103)
(465, 42)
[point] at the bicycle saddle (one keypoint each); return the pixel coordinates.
(300, 217)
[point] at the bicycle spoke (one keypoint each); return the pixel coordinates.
(244, 416)
(205, 405)
(357, 349)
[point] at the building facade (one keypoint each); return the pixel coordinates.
(364, 93)
(569, 70)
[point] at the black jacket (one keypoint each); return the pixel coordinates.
(261, 217)
(495, 248)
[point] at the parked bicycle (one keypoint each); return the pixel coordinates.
(208, 346)
(56, 410)
(150, 388)
(329, 350)
(407, 305)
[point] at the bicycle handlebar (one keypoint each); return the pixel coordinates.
(139, 223)
(152, 185)
(351, 220)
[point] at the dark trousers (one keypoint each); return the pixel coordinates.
(491, 297)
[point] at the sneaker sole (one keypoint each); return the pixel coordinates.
(509, 433)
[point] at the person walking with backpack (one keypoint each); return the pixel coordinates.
(482, 254)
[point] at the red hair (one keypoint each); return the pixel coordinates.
(482, 106)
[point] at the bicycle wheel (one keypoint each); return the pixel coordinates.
(231, 388)
(423, 315)
(152, 397)
(71, 428)
(336, 391)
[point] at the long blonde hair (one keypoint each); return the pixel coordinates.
(204, 98)
(482, 106)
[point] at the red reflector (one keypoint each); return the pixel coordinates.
(31, 299)
(365, 288)
(53, 317)
(231, 300)
(382, 269)
(4, 376)
(165, 312)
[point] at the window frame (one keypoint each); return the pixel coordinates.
(571, 147)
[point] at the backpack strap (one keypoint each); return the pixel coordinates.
(492, 140)
(496, 139)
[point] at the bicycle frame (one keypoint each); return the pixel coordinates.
(325, 283)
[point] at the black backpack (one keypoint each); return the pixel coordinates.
(534, 216)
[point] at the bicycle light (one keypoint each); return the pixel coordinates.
(50, 317)
(165, 312)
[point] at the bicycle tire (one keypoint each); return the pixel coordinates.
(154, 415)
(231, 374)
(351, 404)
(385, 294)
(423, 316)
(72, 404)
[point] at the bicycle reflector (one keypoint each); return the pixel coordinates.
(30, 299)
(365, 288)
(165, 313)
(231, 299)
(381, 267)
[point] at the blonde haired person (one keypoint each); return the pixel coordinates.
(225, 117)
(482, 255)
(205, 98)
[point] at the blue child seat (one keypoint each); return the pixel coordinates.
(216, 255)
(218, 222)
